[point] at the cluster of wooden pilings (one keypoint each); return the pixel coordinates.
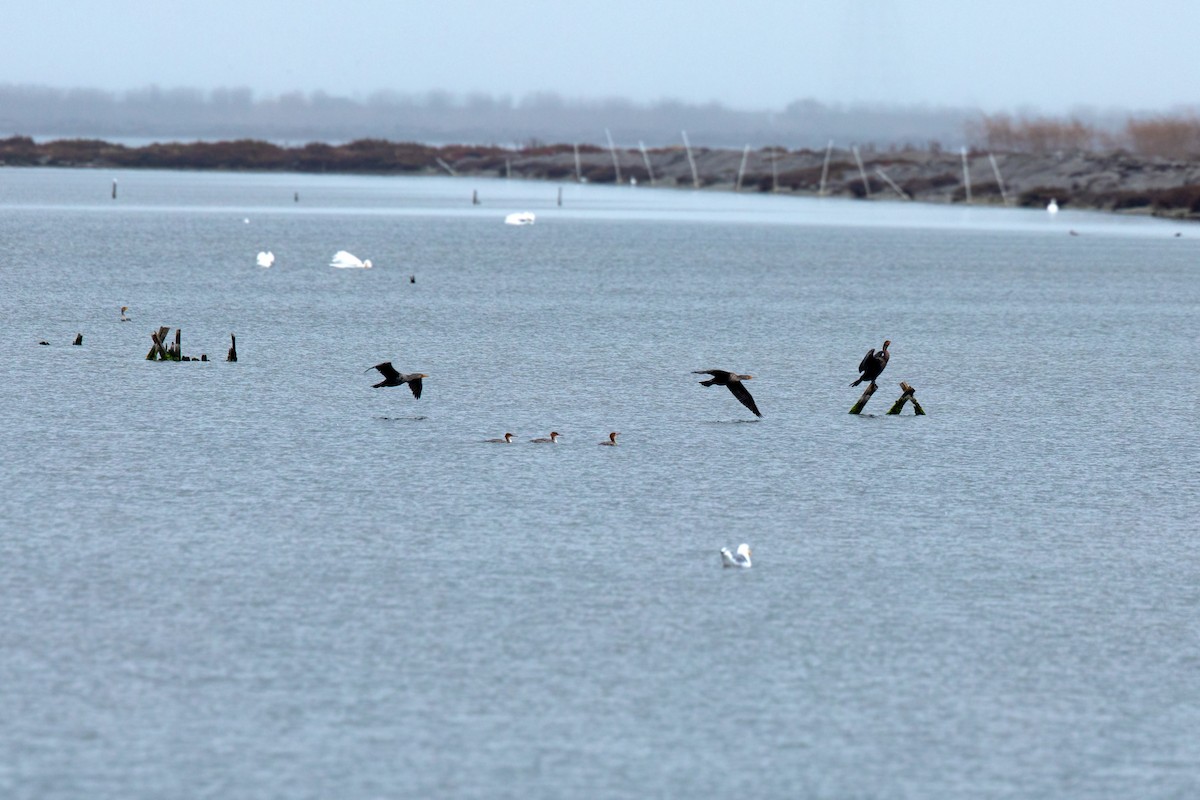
(161, 350)
(909, 396)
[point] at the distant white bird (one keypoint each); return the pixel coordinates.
(344, 260)
(266, 259)
(1053, 206)
(520, 218)
(739, 559)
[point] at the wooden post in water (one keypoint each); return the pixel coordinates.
(862, 401)
(825, 168)
(612, 148)
(903, 194)
(560, 197)
(158, 351)
(909, 394)
(474, 197)
(232, 356)
(78, 339)
(691, 161)
(114, 193)
(578, 166)
(646, 159)
(862, 172)
(999, 180)
(737, 186)
(174, 351)
(966, 175)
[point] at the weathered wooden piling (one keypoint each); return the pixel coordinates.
(158, 352)
(862, 401)
(474, 197)
(909, 395)
(232, 356)
(114, 192)
(78, 339)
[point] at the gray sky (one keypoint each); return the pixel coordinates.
(1047, 55)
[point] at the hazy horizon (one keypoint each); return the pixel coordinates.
(1018, 56)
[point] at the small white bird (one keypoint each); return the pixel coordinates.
(1053, 206)
(520, 218)
(266, 259)
(344, 260)
(739, 559)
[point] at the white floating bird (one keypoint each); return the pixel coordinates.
(739, 559)
(1053, 206)
(344, 260)
(266, 259)
(520, 218)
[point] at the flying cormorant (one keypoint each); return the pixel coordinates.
(721, 377)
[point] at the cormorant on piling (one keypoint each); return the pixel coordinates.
(393, 378)
(612, 439)
(506, 440)
(873, 364)
(552, 440)
(721, 377)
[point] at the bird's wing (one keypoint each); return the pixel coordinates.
(862, 365)
(743, 394)
(344, 259)
(415, 385)
(387, 370)
(716, 373)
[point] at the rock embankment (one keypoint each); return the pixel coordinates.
(1113, 181)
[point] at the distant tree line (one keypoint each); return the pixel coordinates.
(439, 117)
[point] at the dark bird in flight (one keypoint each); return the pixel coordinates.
(721, 377)
(393, 378)
(873, 364)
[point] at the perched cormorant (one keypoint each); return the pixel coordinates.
(873, 364)
(552, 440)
(739, 559)
(393, 378)
(612, 439)
(506, 440)
(721, 377)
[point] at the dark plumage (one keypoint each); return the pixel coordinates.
(393, 378)
(732, 380)
(872, 364)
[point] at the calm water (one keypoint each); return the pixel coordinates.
(266, 579)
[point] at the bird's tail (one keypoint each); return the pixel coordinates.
(708, 382)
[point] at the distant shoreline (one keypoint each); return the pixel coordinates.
(1115, 181)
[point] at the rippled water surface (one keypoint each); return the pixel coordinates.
(267, 579)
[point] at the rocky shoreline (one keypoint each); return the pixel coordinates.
(1113, 181)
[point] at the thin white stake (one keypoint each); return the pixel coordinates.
(508, 168)
(825, 168)
(774, 171)
(999, 180)
(646, 158)
(737, 187)
(688, 147)
(892, 183)
(578, 166)
(861, 171)
(966, 175)
(445, 166)
(613, 148)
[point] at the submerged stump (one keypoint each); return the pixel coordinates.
(862, 401)
(908, 396)
(232, 354)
